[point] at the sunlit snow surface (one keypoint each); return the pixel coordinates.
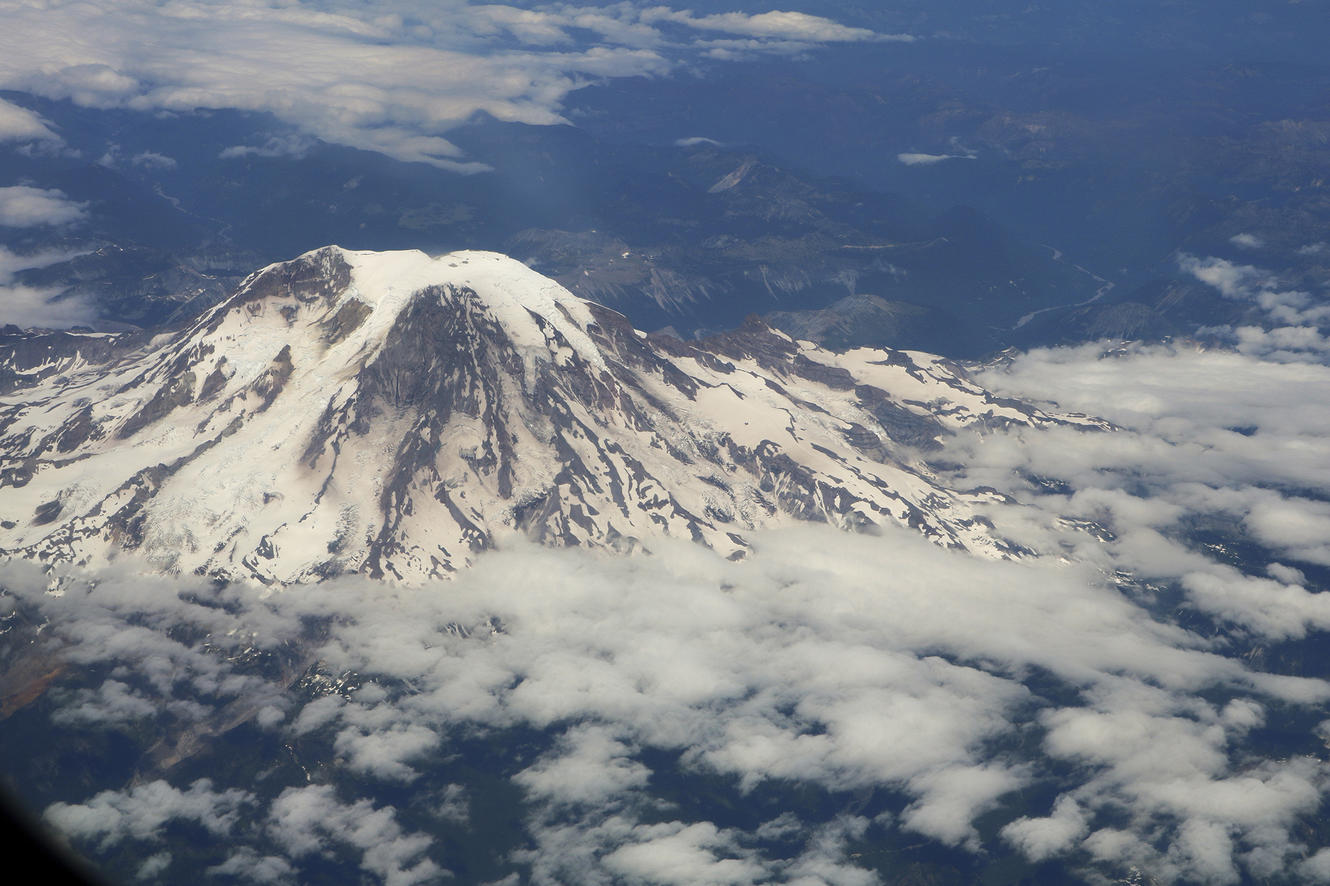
(393, 413)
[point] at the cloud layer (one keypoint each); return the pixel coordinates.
(845, 664)
(386, 76)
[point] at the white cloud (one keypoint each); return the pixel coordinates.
(112, 702)
(1287, 574)
(793, 26)
(951, 798)
(1317, 868)
(1288, 325)
(748, 673)
(1040, 838)
(1208, 433)
(153, 866)
(676, 854)
(141, 812)
(910, 159)
(1232, 281)
(34, 306)
(385, 752)
(42, 307)
(249, 865)
(387, 76)
(1246, 241)
(593, 767)
(20, 124)
(826, 859)
(290, 145)
(22, 206)
(305, 820)
(153, 160)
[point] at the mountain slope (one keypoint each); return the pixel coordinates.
(394, 414)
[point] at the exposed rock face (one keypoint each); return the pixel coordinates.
(26, 358)
(394, 414)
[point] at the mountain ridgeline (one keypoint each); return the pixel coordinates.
(394, 415)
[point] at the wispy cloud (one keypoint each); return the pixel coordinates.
(786, 26)
(153, 160)
(289, 145)
(911, 159)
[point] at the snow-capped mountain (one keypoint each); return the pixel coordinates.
(394, 414)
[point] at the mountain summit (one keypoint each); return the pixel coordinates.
(394, 414)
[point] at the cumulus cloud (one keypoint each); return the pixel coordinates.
(1206, 437)
(38, 306)
(1317, 868)
(305, 820)
(141, 812)
(1288, 325)
(1246, 241)
(1040, 838)
(385, 752)
(112, 702)
(21, 125)
(593, 767)
(745, 674)
(153, 866)
(682, 855)
(386, 76)
(22, 206)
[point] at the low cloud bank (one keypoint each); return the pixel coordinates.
(846, 664)
(38, 306)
